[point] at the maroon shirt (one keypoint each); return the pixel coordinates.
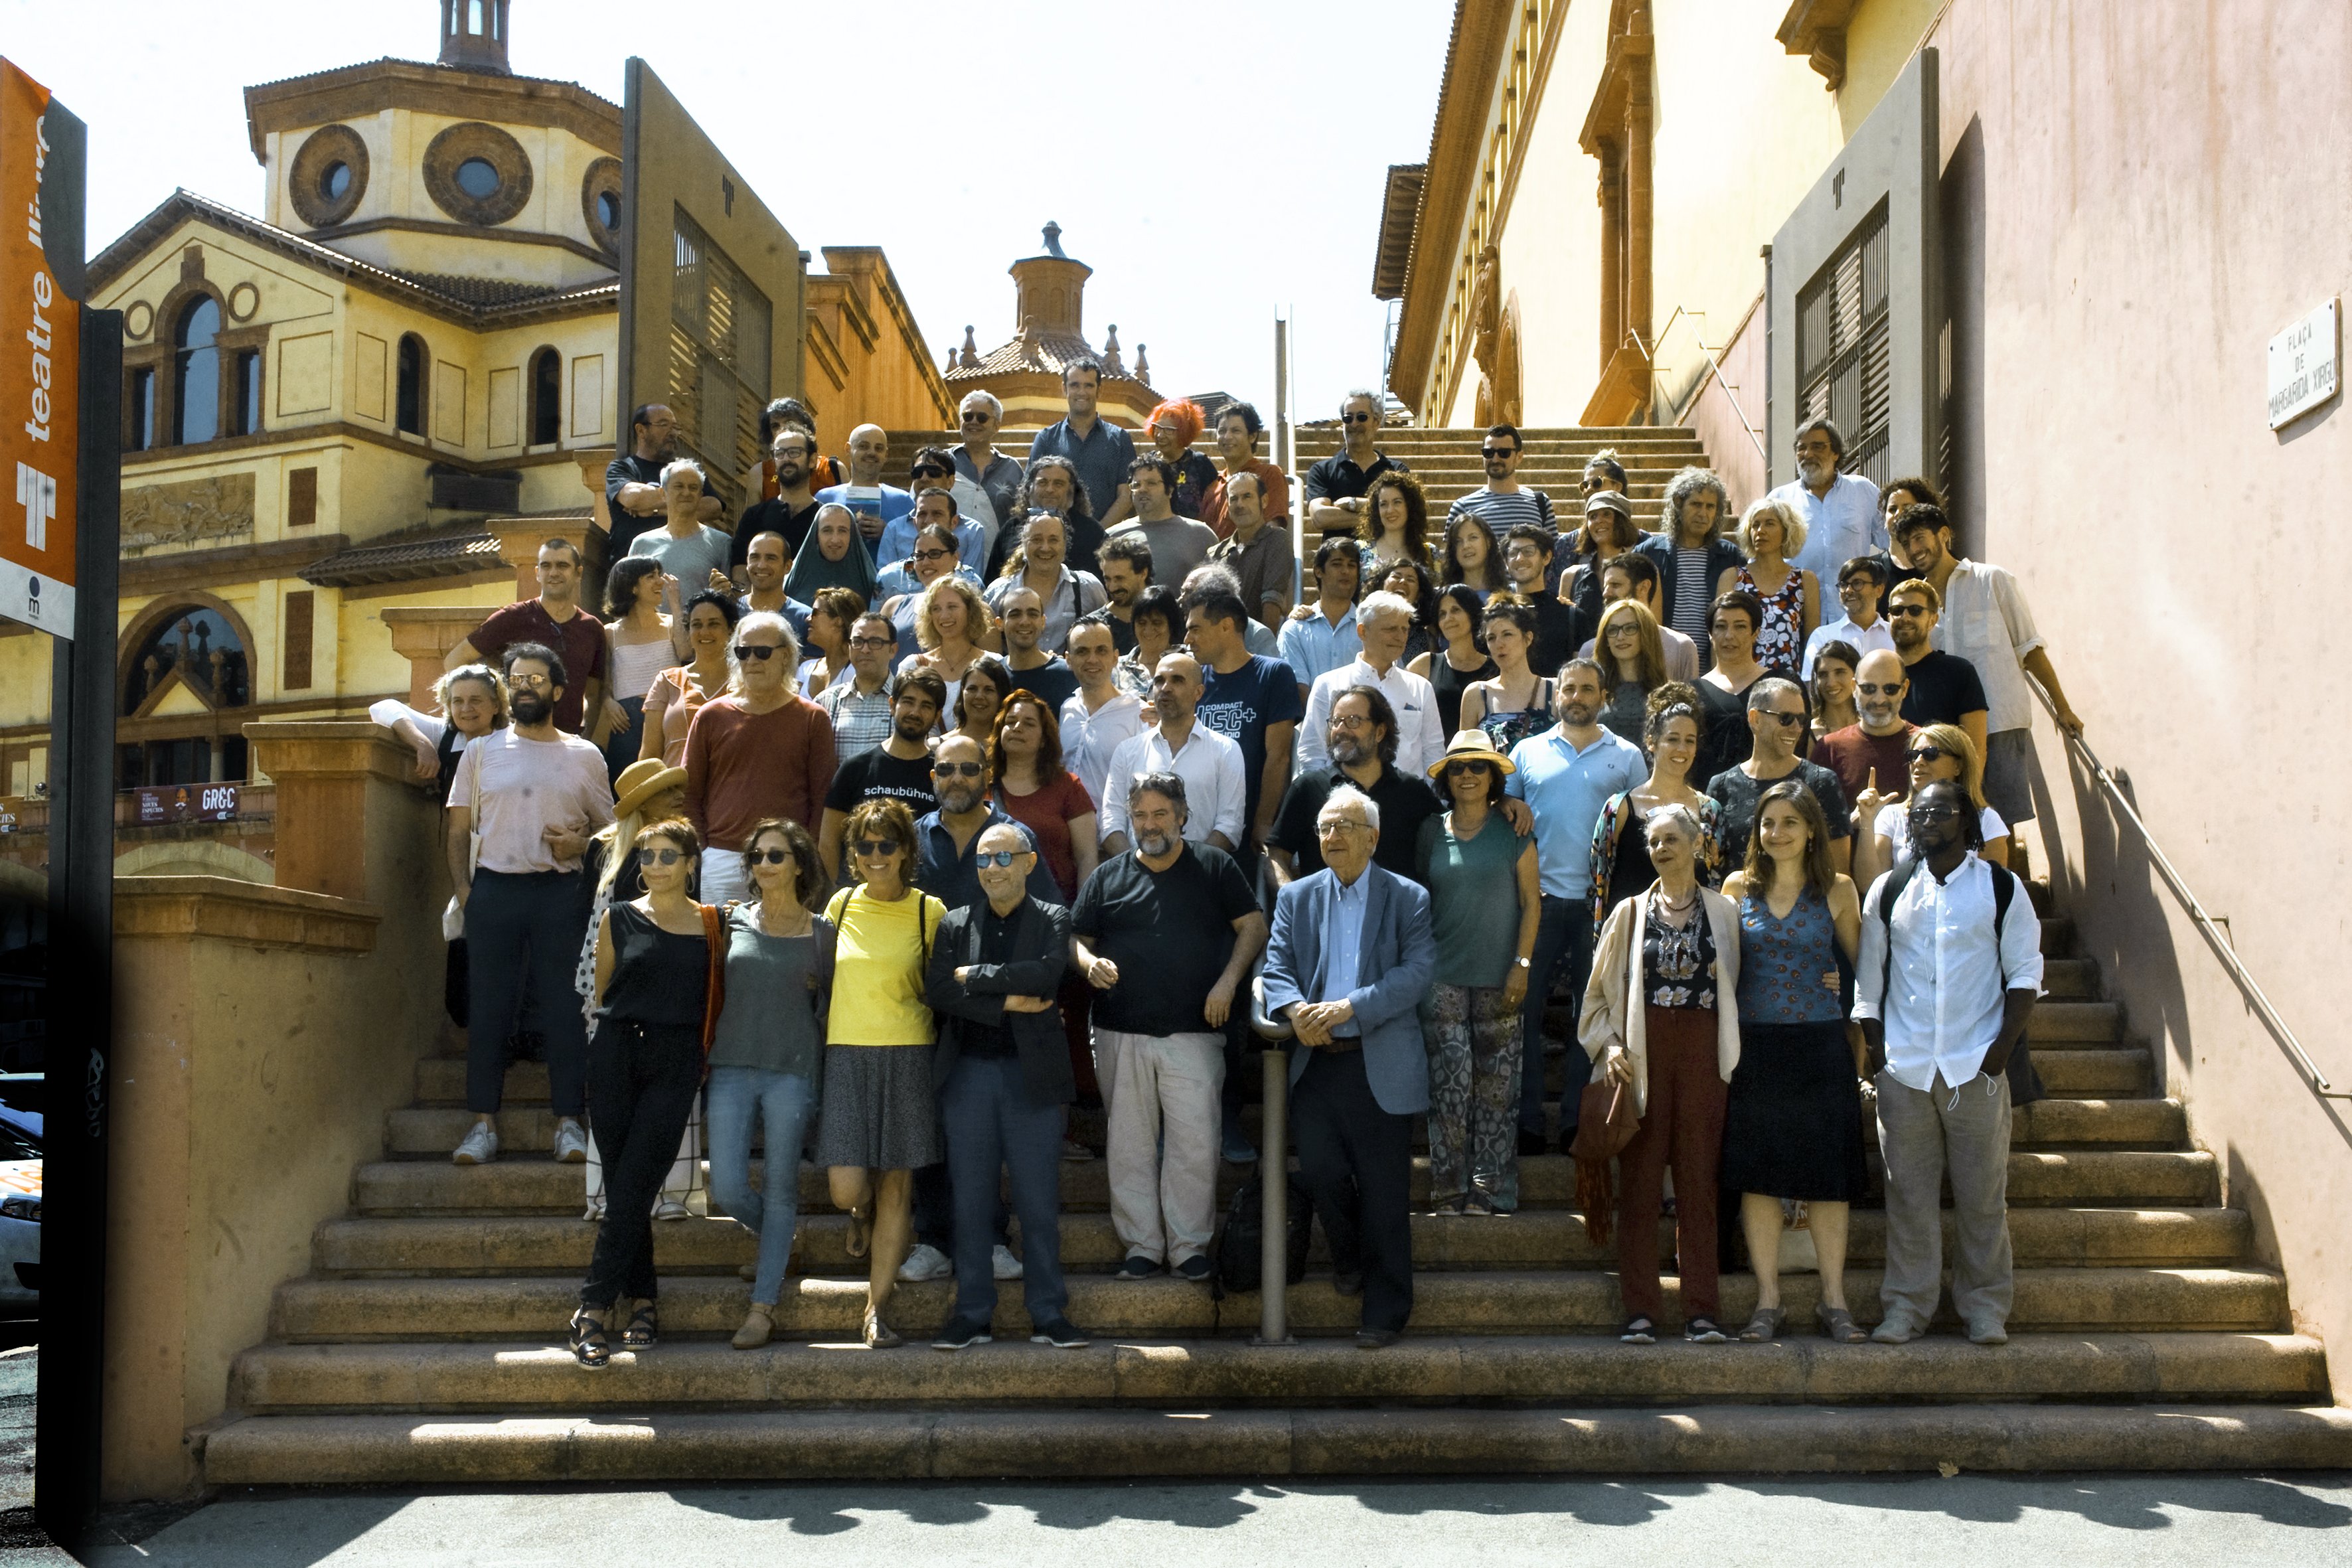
(580, 641)
(1853, 752)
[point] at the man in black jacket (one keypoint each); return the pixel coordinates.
(1002, 1072)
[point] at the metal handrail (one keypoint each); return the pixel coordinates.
(2206, 925)
(1713, 363)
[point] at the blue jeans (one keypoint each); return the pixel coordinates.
(994, 1126)
(782, 1101)
(1564, 952)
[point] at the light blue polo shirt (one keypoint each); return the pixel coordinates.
(1565, 789)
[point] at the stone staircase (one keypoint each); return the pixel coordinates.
(1448, 463)
(426, 1345)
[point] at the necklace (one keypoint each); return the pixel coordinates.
(1678, 909)
(768, 930)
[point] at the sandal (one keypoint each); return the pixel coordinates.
(588, 1346)
(879, 1335)
(1704, 1331)
(1764, 1324)
(1838, 1324)
(861, 1232)
(645, 1329)
(1640, 1332)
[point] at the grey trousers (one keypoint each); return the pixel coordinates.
(1919, 1136)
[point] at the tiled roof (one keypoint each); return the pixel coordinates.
(470, 302)
(1399, 209)
(1047, 352)
(443, 552)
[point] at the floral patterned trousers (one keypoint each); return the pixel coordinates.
(1474, 1097)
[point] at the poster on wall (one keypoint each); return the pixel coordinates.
(40, 391)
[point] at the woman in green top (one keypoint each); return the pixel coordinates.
(879, 1121)
(765, 1052)
(1467, 856)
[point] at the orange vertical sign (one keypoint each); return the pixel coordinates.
(40, 380)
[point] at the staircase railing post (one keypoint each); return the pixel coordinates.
(1274, 1176)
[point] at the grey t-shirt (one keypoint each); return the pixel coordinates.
(690, 559)
(1178, 545)
(773, 986)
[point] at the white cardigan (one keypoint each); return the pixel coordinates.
(1614, 1013)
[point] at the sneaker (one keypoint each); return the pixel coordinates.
(1987, 1331)
(1137, 1268)
(1073, 1151)
(924, 1262)
(670, 1208)
(1004, 1264)
(480, 1147)
(1238, 1150)
(1196, 1268)
(571, 1142)
(1061, 1335)
(1894, 1329)
(962, 1334)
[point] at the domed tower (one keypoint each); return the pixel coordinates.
(1049, 293)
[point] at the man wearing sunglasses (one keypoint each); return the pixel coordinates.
(1502, 502)
(1945, 688)
(1870, 756)
(998, 475)
(1776, 717)
(1336, 487)
(760, 750)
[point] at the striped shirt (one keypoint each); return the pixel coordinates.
(1504, 511)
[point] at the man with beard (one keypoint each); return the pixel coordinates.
(875, 504)
(791, 510)
(554, 620)
(1216, 780)
(898, 769)
(1383, 623)
(947, 867)
(1165, 934)
(1776, 717)
(1841, 511)
(1178, 543)
(1870, 757)
(1944, 688)
(536, 795)
(1125, 565)
(1566, 774)
(1361, 745)
(1502, 502)
(1945, 985)
(633, 480)
(760, 751)
(1258, 554)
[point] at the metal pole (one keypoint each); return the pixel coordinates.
(1273, 1182)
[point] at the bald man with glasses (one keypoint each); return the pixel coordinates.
(1776, 718)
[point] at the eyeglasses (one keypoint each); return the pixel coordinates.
(1348, 721)
(1928, 753)
(660, 857)
(874, 848)
(1878, 688)
(1934, 814)
(1356, 418)
(997, 857)
(1786, 720)
(1463, 770)
(933, 555)
(1624, 623)
(1907, 610)
(958, 770)
(1498, 451)
(529, 682)
(761, 651)
(1331, 825)
(770, 856)
(932, 473)
(873, 642)
(976, 416)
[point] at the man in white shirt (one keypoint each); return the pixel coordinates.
(1944, 985)
(1861, 584)
(1384, 623)
(1216, 785)
(1100, 716)
(1841, 511)
(875, 504)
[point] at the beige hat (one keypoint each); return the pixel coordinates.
(1471, 744)
(1608, 501)
(641, 781)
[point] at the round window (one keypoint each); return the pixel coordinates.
(335, 180)
(478, 178)
(608, 209)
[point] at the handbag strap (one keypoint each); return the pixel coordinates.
(714, 986)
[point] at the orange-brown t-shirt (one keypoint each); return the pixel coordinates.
(1277, 497)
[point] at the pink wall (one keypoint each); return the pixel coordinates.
(1730, 449)
(2137, 199)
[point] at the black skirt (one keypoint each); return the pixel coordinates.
(1792, 1121)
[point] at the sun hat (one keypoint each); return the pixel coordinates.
(1473, 743)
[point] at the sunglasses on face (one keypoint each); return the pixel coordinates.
(1786, 720)
(761, 651)
(1929, 754)
(1877, 689)
(1357, 418)
(976, 417)
(770, 856)
(996, 857)
(1464, 770)
(931, 473)
(660, 857)
(1906, 610)
(957, 770)
(1933, 814)
(1497, 451)
(875, 848)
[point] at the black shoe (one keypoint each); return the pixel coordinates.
(962, 1334)
(1061, 1334)
(1196, 1268)
(1136, 1267)
(1376, 1338)
(1348, 1281)
(1530, 1143)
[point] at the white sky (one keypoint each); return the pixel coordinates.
(1220, 169)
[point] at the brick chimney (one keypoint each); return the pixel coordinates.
(474, 36)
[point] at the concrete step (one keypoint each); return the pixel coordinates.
(2070, 980)
(1534, 1238)
(2069, 1023)
(2108, 1300)
(2120, 1071)
(528, 1184)
(1424, 1371)
(435, 1450)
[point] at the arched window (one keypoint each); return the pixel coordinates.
(408, 401)
(196, 373)
(194, 646)
(546, 398)
(201, 647)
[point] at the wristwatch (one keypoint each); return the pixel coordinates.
(1524, 963)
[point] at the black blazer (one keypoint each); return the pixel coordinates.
(1040, 939)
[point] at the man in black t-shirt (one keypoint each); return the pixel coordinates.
(793, 508)
(1363, 747)
(1776, 717)
(1560, 630)
(1945, 687)
(898, 769)
(1165, 933)
(632, 498)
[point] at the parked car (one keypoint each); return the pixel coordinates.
(20, 1196)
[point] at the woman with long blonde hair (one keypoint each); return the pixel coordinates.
(1773, 533)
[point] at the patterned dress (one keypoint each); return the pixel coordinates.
(1781, 640)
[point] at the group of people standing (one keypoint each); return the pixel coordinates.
(1002, 815)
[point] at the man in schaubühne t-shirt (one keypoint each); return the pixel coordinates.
(898, 769)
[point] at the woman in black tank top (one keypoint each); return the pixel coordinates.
(1462, 660)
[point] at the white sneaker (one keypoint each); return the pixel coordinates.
(571, 1142)
(670, 1208)
(1007, 1267)
(480, 1147)
(924, 1263)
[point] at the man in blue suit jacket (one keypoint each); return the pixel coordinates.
(1350, 962)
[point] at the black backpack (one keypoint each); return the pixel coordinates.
(2024, 1083)
(1238, 1257)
